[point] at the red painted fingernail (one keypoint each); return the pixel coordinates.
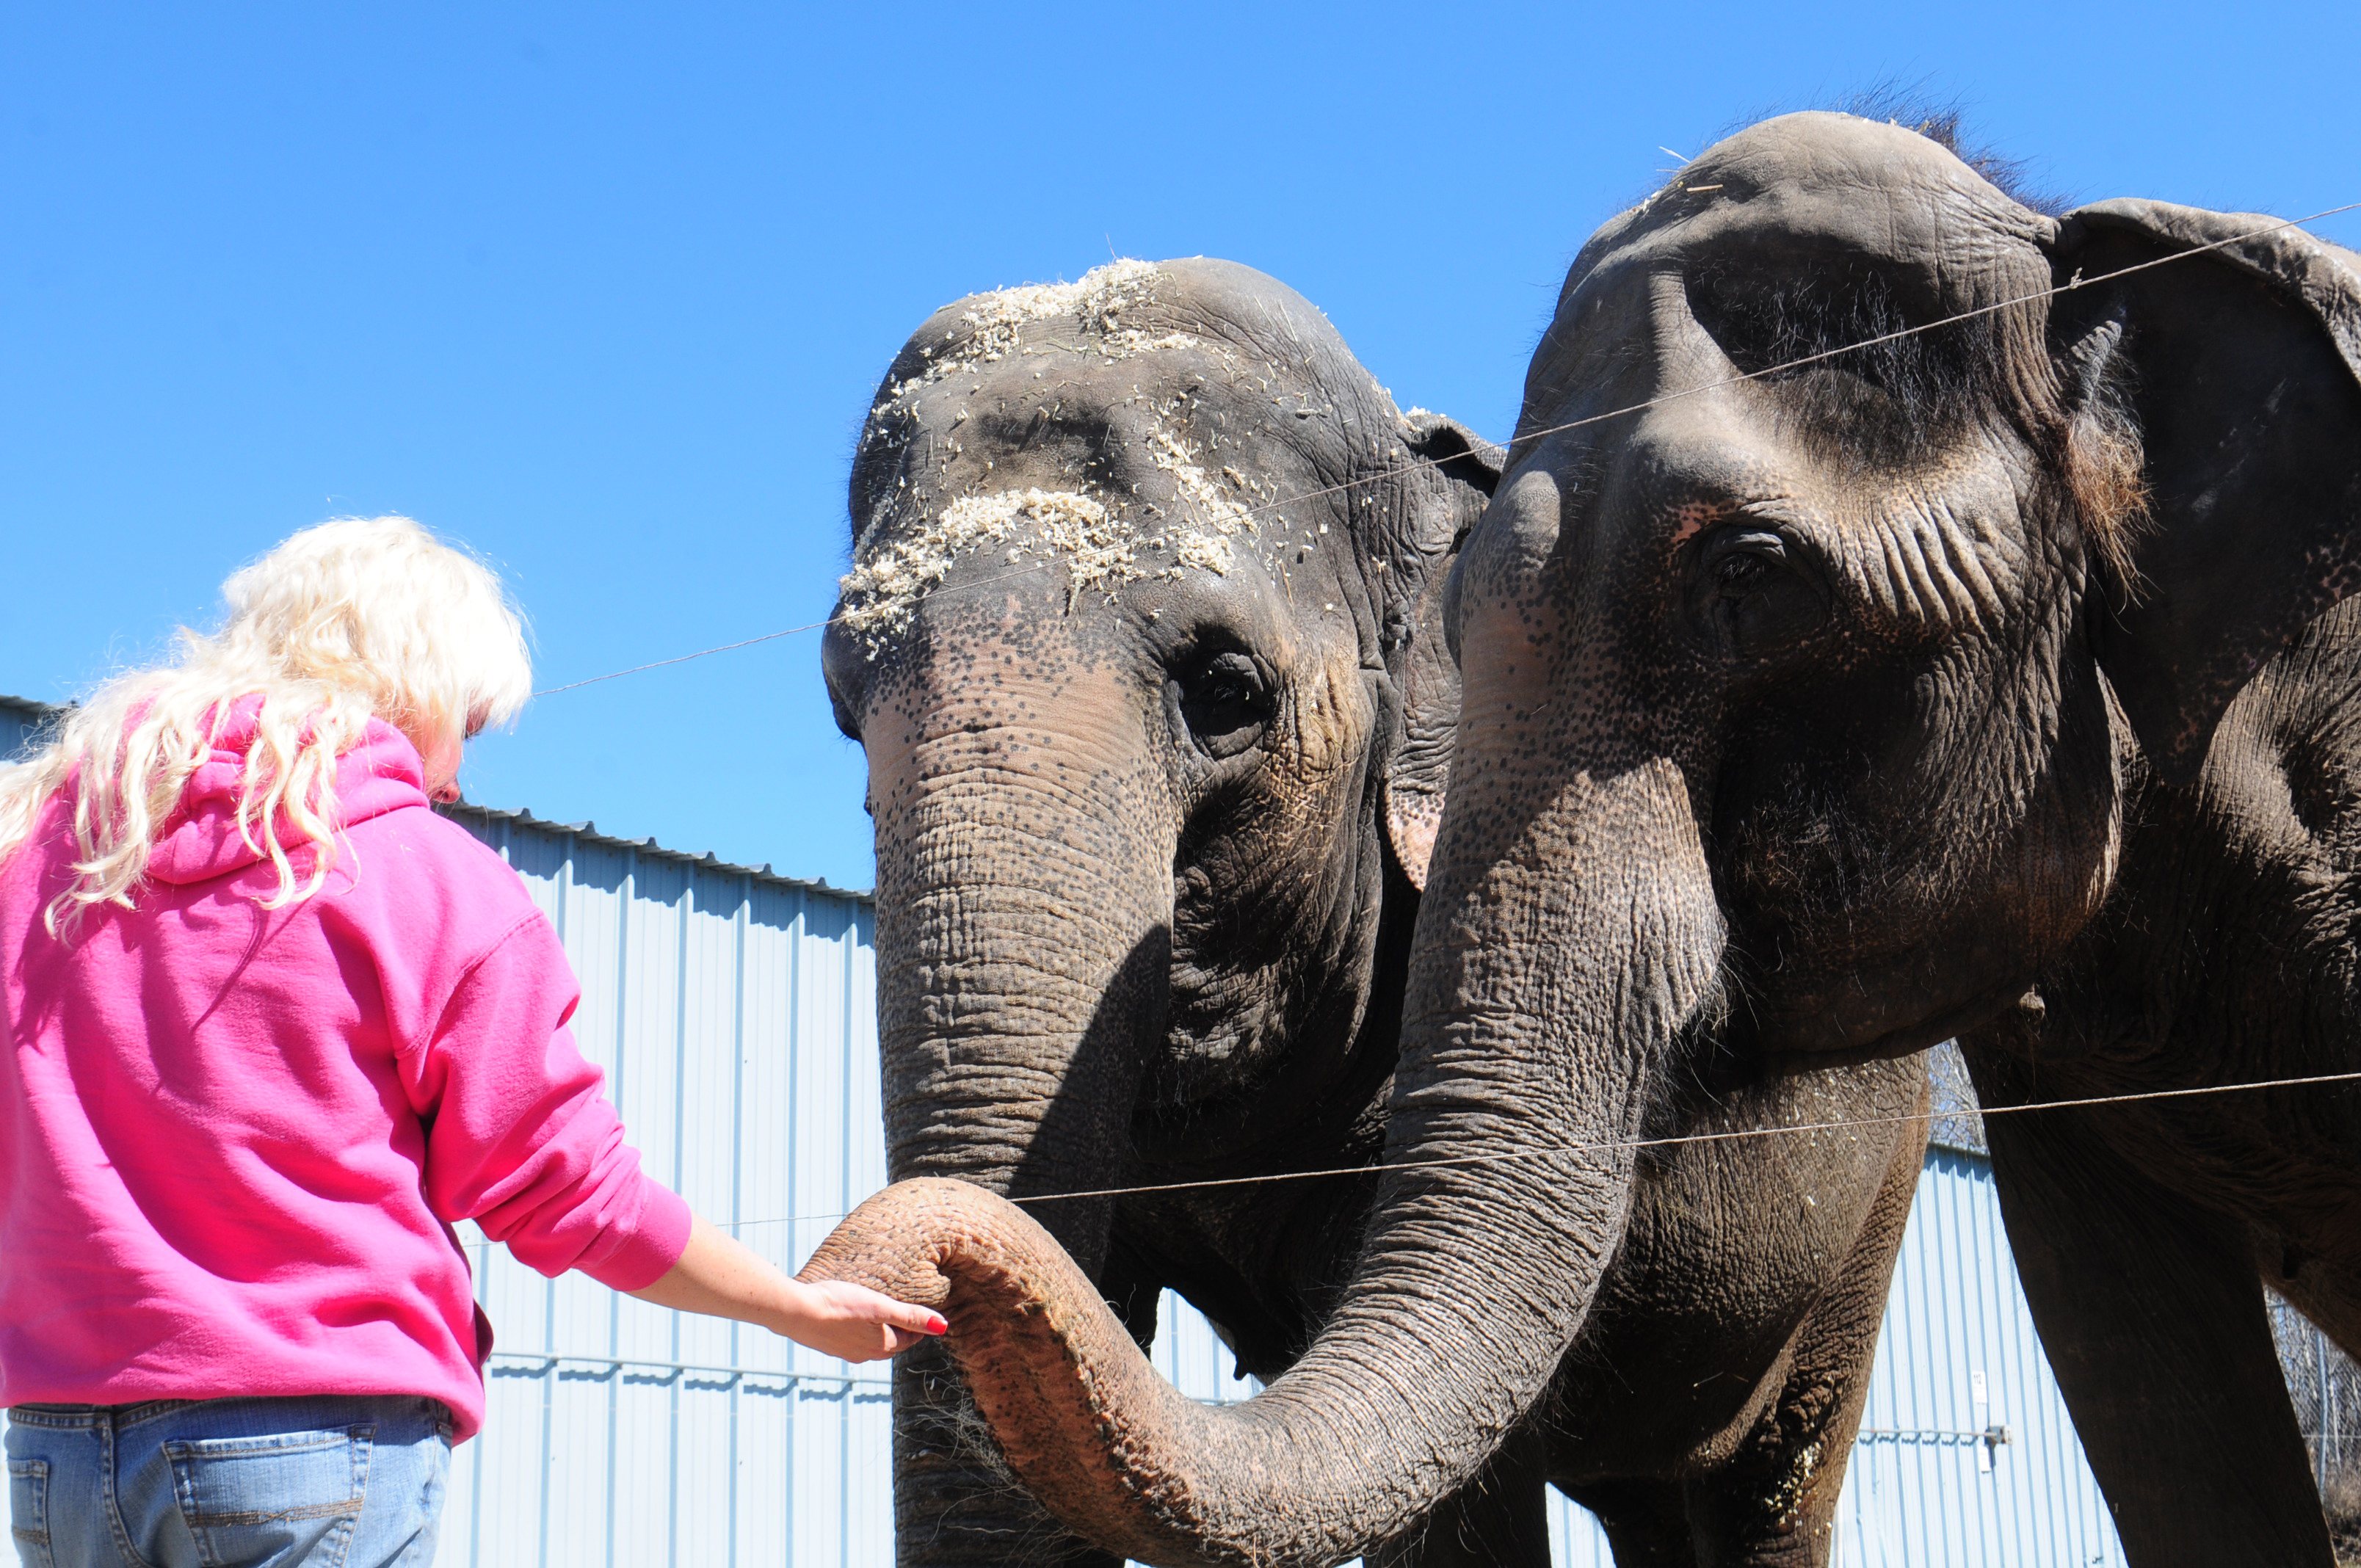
(935, 1325)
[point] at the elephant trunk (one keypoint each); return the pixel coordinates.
(1538, 1004)
(1018, 981)
(1022, 954)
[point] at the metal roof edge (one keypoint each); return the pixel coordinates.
(1965, 1144)
(589, 833)
(43, 712)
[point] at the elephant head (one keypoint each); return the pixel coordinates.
(1132, 613)
(1890, 630)
(1800, 693)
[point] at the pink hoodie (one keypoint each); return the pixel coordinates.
(233, 1140)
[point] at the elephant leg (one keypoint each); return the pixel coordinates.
(1646, 1521)
(2152, 1315)
(955, 1505)
(1774, 1503)
(1500, 1520)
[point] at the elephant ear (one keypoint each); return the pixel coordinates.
(1457, 472)
(2244, 380)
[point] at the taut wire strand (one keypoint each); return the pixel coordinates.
(680, 659)
(2076, 282)
(1732, 1136)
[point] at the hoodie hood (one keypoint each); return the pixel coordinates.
(201, 840)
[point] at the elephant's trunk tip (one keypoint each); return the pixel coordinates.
(1077, 1410)
(979, 1259)
(904, 1240)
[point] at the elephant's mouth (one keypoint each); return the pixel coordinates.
(1303, 1092)
(1813, 1049)
(1303, 1111)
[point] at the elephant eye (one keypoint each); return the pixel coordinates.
(1225, 702)
(1734, 571)
(1753, 595)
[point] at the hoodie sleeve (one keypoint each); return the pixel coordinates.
(520, 1136)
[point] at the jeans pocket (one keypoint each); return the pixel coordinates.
(28, 1510)
(288, 1497)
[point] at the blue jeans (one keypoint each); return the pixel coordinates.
(330, 1481)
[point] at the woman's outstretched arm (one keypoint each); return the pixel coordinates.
(721, 1277)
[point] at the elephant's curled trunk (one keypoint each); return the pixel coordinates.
(1338, 1456)
(1078, 1411)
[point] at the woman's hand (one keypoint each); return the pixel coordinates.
(720, 1277)
(851, 1322)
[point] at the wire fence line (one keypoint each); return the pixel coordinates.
(1959, 1117)
(1418, 464)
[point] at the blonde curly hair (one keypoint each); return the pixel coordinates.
(350, 620)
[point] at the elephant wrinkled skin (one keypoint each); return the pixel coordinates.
(1143, 639)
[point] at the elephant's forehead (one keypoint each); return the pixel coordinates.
(1806, 190)
(1179, 477)
(1098, 316)
(1118, 324)
(1100, 543)
(1055, 427)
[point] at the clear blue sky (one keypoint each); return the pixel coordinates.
(603, 291)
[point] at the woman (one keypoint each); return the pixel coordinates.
(272, 1027)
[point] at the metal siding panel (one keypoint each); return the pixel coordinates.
(1576, 1539)
(706, 1040)
(868, 1109)
(822, 1120)
(1192, 1358)
(871, 1500)
(579, 1420)
(1951, 1307)
(1915, 1494)
(767, 1406)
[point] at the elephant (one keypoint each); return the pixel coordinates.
(1142, 641)
(1993, 679)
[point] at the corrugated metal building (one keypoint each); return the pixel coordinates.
(732, 1009)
